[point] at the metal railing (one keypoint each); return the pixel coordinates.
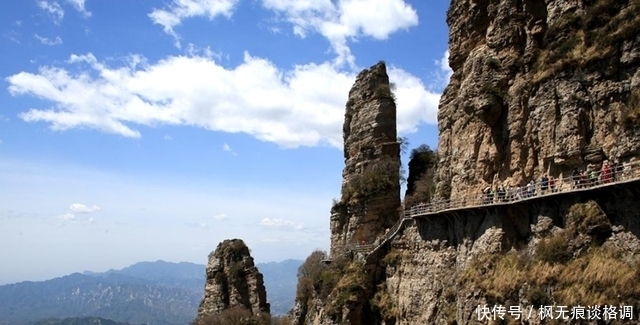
(622, 174)
(389, 234)
(616, 175)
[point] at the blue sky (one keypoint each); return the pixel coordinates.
(135, 130)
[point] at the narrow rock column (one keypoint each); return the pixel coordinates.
(370, 199)
(233, 281)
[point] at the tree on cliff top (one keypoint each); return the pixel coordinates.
(422, 165)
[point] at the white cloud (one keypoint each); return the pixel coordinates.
(281, 223)
(221, 216)
(443, 74)
(346, 19)
(227, 148)
(81, 208)
(79, 5)
(206, 224)
(182, 9)
(48, 41)
(167, 137)
(67, 217)
(288, 108)
(53, 9)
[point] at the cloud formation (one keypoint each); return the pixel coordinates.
(227, 148)
(48, 41)
(79, 5)
(53, 9)
(81, 208)
(181, 9)
(220, 216)
(443, 74)
(284, 107)
(345, 20)
(67, 217)
(281, 223)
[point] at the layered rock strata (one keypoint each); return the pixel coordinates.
(370, 188)
(233, 281)
(538, 88)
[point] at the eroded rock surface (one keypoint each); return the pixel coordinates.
(538, 88)
(233, 281)
(370, 188)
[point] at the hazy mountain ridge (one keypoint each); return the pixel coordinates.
(281, 279)
(114, 296)
(79, 321)
(152, 293)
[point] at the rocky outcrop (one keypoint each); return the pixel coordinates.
(556, 253)
(538, 88)
(370, 188)
(233, 281)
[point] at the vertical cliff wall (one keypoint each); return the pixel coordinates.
(233, 281)
(370, 188)
(538, 87)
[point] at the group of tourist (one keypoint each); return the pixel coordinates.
(546, 184)
(608, 173)
(591, 177)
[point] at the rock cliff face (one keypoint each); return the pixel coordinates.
(233, 281)
(370, 188)
(538, 87)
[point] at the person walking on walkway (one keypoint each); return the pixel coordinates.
(606, 172)
(593, 177)
(544, 184)
(552, 184)
(501, 194)
(583, 179)
(519, 193)
(575, 176)
(531, 189)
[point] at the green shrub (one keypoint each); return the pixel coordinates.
(554, 250)
(384, 303)
(563, 50)
(586, 218)
(236, 272)
(493, 63)
(236, 316)
(382, 91)
(488, 88)
(394, 257)
(317, 279)
(379, 177)
(538, 297)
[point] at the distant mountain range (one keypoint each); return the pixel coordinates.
(154, 293)
(79, 321)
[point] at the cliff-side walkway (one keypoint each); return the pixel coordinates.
(628, 173)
